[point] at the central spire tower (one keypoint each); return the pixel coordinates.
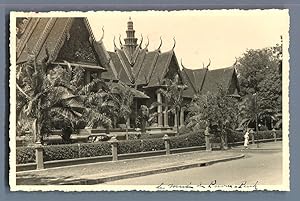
(130, 41)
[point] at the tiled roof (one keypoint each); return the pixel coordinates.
(219, 77)
(204, 80)
(51, 33)
(121, 74)
(160, 68)
(146, 69)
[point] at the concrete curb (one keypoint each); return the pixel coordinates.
(150, 172)
(256, 149)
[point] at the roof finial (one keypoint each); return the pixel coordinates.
(120, 40)
(236, 61)
(174, 43)
(115, 43)
(147, 43)
(181, 63)
(208, 63)
(160, 43)
(102, 34)
(141, 41)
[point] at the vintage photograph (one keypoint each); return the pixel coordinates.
(190, 100)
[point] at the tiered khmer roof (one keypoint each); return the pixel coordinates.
(139, 66)
(204, 80)
(58, 37)
(72, 40)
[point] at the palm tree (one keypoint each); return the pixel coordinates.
(122, 99)
(43, 96)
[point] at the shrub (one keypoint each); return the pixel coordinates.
(95, 149)
(188, 140)
(70, 151)
(153, 144)
(184, 130)
(25, 155)
(235, 136)
(61, 152)
(130, 146)
(239, 136)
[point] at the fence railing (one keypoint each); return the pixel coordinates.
(41, 164)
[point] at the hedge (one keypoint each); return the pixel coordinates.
(62, 152)
(70, 151)
(188, 140)
(239, 136)
(25, 155)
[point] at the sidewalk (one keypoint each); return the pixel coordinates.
(109, 171)
(260, 147)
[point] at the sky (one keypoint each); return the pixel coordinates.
(200, 35)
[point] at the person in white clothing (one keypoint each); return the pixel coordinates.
(246, 137)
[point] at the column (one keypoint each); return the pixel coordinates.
(181, 117)
(166, 117)
(114, 148)
(166, 138)
(159, 110)
(175, 120)
(39, 158)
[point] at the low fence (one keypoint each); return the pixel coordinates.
(112, 150)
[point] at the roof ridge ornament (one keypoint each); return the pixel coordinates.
(115, 46)
(158, 49)
(208, 64)
(146, 47)
(121, 44)
(174, 43)
(102, 34)
(182, 64)
(236, 61)
(141, 41)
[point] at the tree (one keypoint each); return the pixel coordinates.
(216, 110)
(260, 81)
(43, 97)
(122, 100)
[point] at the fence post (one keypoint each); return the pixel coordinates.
(114, 148)
(274, 135)
(166, 138)
(39, 158)
(207, 143)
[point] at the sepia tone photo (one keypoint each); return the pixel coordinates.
(149, 100)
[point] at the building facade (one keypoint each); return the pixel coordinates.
(71, 41)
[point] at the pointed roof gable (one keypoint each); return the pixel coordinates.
(147, 67)
(217, 77)
(52, 34)
(195, 77)
(204, 80)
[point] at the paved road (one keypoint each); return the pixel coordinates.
(266, 168)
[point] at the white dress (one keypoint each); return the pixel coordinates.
(246, 136)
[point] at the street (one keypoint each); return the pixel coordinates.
(262, 167)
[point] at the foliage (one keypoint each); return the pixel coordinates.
(239, 136)
(122, 100)
(25, 155)
(43, 97)
(195, 138)
(260, 79)
(70, 151)
(210, 109)
(218, 111)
